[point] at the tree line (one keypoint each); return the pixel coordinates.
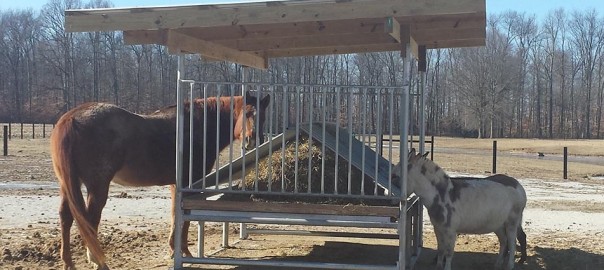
(534, 78)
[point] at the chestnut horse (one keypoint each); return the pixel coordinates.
(97, 143)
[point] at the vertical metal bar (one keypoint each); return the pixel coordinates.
(257, 141)
(231, 124)
(297, 137)
(270, 136)
(404, 122)
(337, 154)
(180, 113)
(218, 123)
(205, 136)
(225, 234)
(200, 238)
(285, 120)
(191, 122)
(422, 112)
(378, 135)
(310, 122)
(242, 227)
(350, 131)
(324, 110)
(364, 103)
(402, 140)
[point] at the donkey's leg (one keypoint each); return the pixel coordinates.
(440, 259)
(511, 229)
(501, 235)
(184, 247)
(449, 239)
(96, 200)
(66, 220)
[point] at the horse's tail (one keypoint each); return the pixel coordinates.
(63, 138)
(521, 236)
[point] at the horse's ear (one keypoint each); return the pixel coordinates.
(265, 101)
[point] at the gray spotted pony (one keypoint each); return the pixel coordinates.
(468, 206)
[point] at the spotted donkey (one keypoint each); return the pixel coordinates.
(469, 206)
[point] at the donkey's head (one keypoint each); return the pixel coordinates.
(249, 127)
(417, 168)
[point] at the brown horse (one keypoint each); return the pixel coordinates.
(97, 143)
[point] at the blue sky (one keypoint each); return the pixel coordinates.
(538, 7)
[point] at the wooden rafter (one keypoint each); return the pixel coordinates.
(178, 43)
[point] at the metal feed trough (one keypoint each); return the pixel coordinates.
(325, 114)
(346, 136)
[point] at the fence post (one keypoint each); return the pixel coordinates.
(10, 130)
(43, 130)
(33, 130)
(565, 174)
(21, 130)
(494, 157)
(432, 147)
(5, 140)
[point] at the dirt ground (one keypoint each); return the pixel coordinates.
(564, 219)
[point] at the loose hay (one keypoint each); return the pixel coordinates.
(277, 176)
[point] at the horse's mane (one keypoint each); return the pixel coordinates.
(212, 105)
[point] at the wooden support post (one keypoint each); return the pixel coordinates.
(5, 141)
(44, 130)
(432, 147)
(565, 173)
(33, 131)
(494, 157)
(21, 130)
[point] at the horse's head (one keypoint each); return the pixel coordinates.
(414, 166)
(250, 123)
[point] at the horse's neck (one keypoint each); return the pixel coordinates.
(220, 114)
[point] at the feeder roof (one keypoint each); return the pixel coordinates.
(251, 33)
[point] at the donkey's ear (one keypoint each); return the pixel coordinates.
(265, 101)
(425, 154)
(412, 153)
(248, 93)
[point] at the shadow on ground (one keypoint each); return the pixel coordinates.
(354, 253)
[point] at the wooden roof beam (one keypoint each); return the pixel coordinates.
(178, 42)
(258, 13)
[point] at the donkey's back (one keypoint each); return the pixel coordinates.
(486, 205)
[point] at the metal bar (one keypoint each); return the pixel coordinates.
(225, 234)
(271, 110)
(285, 119)
(178, 258)
(350, 131)
(191, 135)
(297, 144)
(404, 122)
(363, 137)
(337, 154)
(324, 233)
(205, 137)
(217, 161)
(200, 238)
(310, 121)
(290, 264)
(232, 117)
(324, 111)
(494, 157)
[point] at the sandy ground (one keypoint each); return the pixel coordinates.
(564, 221)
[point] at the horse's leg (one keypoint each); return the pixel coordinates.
(66, 220)
(96, 200)
(184, 247)
(501, 235)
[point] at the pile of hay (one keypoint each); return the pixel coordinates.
(271, 169)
